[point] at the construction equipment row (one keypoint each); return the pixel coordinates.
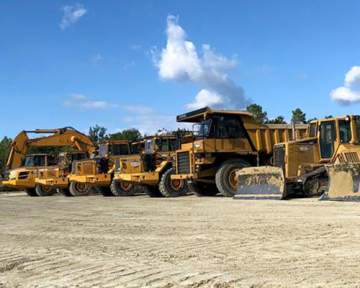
(227, 153)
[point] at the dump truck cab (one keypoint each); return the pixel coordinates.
(224, 142)
(151, 168)
(98, 172)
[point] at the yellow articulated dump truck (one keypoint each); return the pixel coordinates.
(224, 142)
(97, 172)
(55, 177)
(326, 163)
(23, 168)
(151, 169)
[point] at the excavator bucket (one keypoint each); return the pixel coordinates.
(257, 183)
(344, 182)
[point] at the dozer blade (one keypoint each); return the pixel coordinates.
(257, 183)
(344, 181)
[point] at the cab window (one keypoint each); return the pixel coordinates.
(327, 139)
(119, 149)
(227, 127)
(357, 124)
(345, 131)
(313, 130)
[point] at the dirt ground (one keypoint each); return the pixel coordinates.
(185, 242)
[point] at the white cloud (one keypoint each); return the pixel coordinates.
(80, 100)
(350, 92)
(205, 98)
(72, 14)
(180, 61)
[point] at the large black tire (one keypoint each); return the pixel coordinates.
(64, 191)
(79, 189)
(203, 189)
(43, 191)
(31, 192)
(172, 188)
(152, 191)
(225, 178)
(121, 188)
(104, 190)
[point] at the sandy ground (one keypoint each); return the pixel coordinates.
(184, 242)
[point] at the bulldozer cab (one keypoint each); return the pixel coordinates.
(332, 133)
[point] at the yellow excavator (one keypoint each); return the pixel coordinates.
(326, 164)
(23, 168)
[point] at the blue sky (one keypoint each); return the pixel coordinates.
(66, 63)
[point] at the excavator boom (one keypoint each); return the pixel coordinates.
(66, 136)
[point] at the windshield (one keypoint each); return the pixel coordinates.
(119, 149)
(103, 150)
(202, 129)
(34, 160)
(149, 146)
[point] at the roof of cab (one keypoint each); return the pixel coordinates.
(114, 142)
(200, 114)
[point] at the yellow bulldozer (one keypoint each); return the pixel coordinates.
(326, 163)
(224, 142)
(98, 172)
(23, 168)
(151, 169)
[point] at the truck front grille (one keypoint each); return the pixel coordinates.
(183, 162)
(349, 157)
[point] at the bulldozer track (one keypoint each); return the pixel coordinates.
(183, 242)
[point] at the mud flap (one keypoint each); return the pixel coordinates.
(344, 182)
(257, 183)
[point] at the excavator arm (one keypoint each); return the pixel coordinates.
(66, 136)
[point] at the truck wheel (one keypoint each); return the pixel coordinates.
(104, 190)
(121, 188)
(78, 189)
(225, 177)
(203, 189)
(31, 192)
(172, 188)
(43, 191)
(152, 191)
(64, 191)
